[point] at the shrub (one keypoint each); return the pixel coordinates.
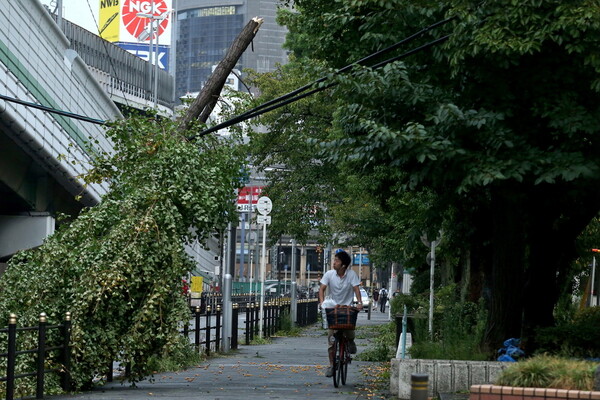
(383, 347)
(579, 337)
(551, 372)
(287, 327)
(458, 326)
(182, 355)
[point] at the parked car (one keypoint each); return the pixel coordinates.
(366, 301)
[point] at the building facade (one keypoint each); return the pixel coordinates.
(205, 29)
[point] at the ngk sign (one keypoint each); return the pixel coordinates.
(120, 21)
(138, 27)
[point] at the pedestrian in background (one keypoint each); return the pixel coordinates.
(383, 296)
(375, 298)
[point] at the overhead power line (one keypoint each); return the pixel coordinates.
(280, 101)
(53, 110)
(298, 95)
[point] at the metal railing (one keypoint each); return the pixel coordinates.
(306, 314)
(208, 328)
(40, 352)
(129, 74)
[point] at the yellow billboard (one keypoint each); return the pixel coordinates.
(109, 21)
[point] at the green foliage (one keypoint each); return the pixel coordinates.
(181, 356)
(414, 304)
(382, 346)
(550, 372)
(287, 327)
(299, 181)
(117, 267)
(458, 326)
(498, 124)
(577, 337)
(257, 341)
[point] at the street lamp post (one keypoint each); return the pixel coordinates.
(151, 50)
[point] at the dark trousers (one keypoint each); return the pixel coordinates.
(382, 301)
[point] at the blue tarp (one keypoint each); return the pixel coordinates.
(511, 350)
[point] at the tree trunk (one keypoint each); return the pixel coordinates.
(504, 282)
(552, 239)
(208, 96)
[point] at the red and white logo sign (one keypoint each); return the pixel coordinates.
(246, 196)
(139, 26)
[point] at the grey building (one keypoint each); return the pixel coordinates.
(205, 29)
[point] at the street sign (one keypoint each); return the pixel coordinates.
(264, 205)
(251, 237)
(263, 219)
(247, 198)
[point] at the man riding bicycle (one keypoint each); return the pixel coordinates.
(343, 284)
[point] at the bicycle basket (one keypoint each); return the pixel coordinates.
(341, 317)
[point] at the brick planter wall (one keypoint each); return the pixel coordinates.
(492, 392)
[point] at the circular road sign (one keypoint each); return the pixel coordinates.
(251, 237)
(264, 205)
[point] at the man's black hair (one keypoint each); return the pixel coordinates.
(344, 258)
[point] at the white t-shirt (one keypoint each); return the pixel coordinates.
(340, 289)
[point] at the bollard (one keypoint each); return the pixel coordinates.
(208, 327)
(234, 326)
(248, 322)
(197, 314)
(418, 386)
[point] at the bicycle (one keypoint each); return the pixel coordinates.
(342, 358)
(341, 318)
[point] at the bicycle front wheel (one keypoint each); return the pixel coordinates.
(336, 363)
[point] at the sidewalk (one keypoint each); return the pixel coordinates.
(288, 368)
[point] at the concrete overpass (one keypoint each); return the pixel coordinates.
(43, 153)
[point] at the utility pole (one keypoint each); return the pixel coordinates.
(59, 14)
(203, 105)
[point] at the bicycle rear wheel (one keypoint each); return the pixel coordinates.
(336, 362)
(343, 369)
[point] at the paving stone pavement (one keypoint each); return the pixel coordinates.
(287, 368)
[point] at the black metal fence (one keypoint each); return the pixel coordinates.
(40, 352)
(273, 311)
(210, 341)
(207, 331)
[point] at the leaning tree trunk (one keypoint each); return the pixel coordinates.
(202, 106)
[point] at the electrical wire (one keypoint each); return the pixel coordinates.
(53, 110)
(104, 44)
(275, 103)
(294, 96)
(362, 61)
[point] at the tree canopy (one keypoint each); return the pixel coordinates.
(499, 123)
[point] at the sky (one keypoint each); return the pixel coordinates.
(78, 12)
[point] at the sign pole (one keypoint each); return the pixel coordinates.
(263, 206)
(263, 268)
